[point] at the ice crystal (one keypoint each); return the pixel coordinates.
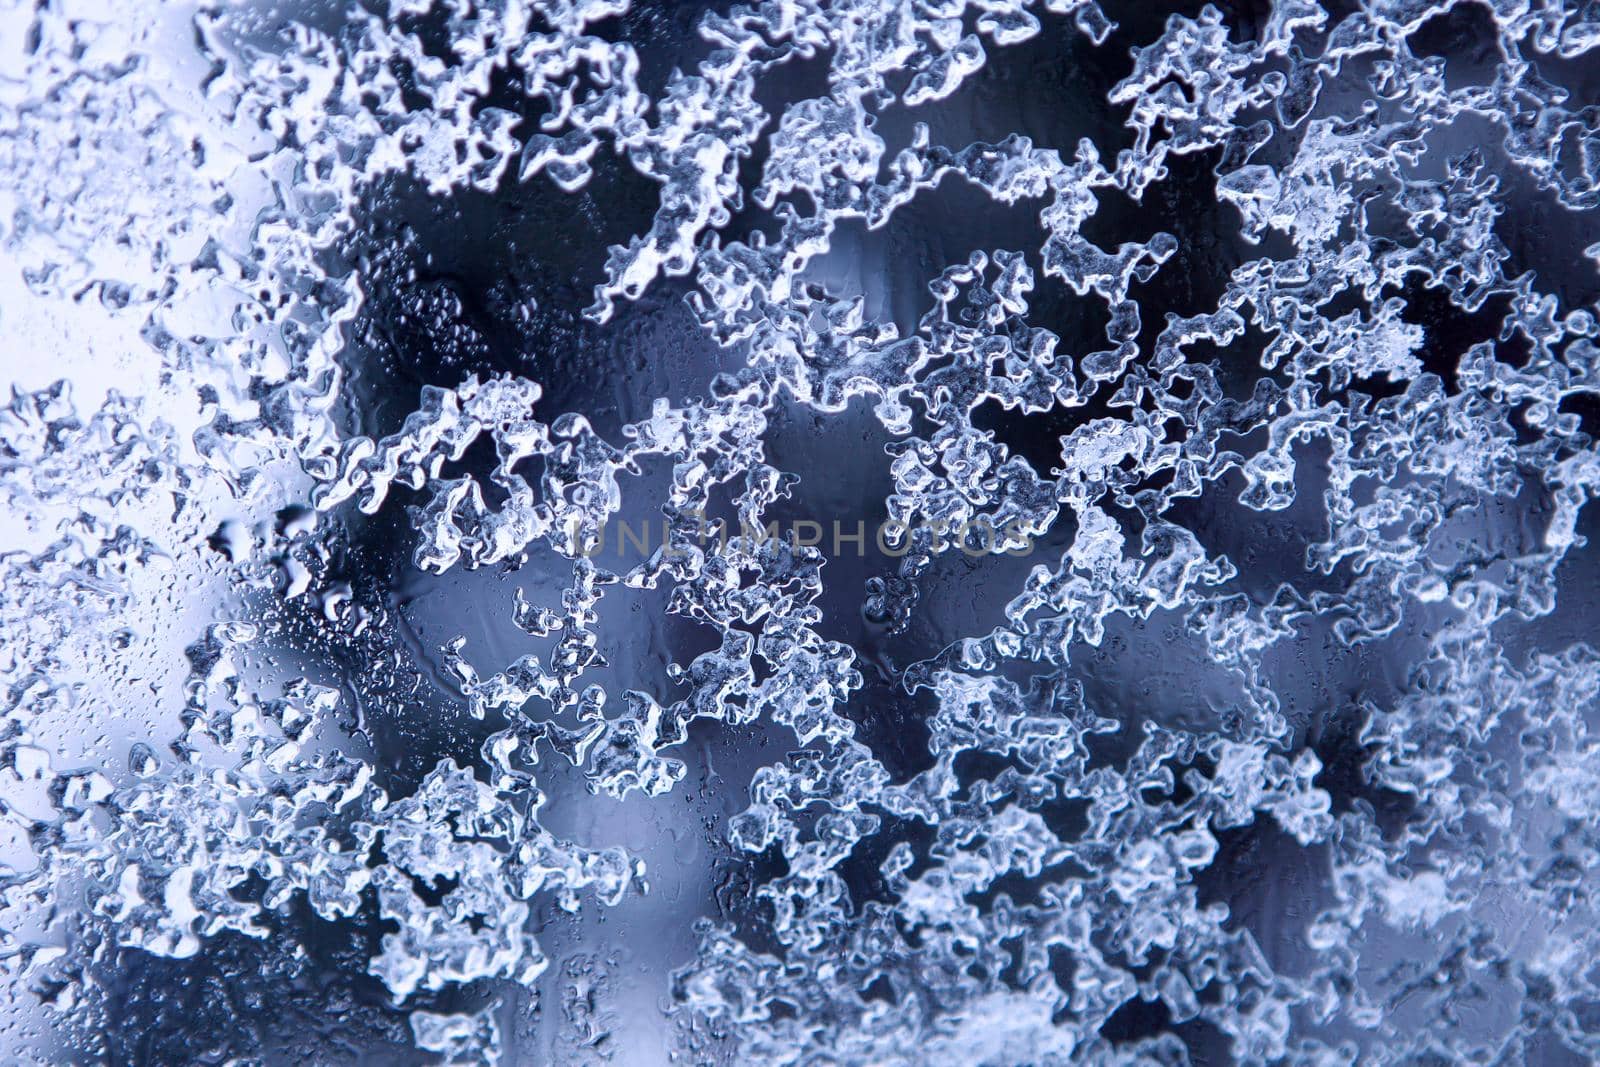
(818, 531)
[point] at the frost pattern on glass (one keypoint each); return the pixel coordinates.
(1272, 744)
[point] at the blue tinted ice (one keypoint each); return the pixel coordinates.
(826, 531)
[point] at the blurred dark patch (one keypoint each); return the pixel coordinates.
(1273, 886)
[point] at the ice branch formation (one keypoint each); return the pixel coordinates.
(1335, 463)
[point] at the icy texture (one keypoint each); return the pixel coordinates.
(1253, 712)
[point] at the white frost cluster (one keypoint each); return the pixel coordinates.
(1307, 472)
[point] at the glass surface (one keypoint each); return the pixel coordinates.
(973, 532)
